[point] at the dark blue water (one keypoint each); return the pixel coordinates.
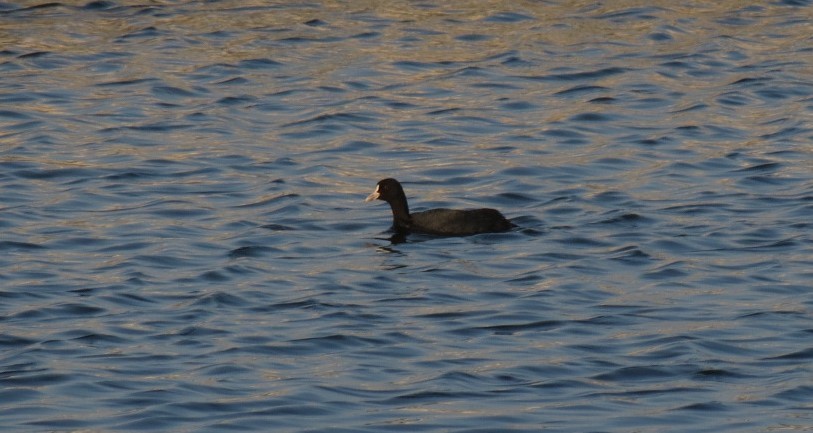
(185, 245)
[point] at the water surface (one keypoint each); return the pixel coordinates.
(185, 245)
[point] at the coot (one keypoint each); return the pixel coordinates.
(445, 222)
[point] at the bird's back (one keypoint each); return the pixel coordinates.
(454, 222)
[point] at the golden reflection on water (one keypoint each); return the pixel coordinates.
(433, 31)
(563, 37)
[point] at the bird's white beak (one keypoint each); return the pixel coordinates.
(374, 195)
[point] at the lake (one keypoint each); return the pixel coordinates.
(186, 247)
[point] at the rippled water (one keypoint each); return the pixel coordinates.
(185, 245)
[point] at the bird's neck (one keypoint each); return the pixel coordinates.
(400, 214)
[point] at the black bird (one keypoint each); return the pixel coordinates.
(444, 222)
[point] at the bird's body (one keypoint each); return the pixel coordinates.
(454, 222)
(443, 222)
